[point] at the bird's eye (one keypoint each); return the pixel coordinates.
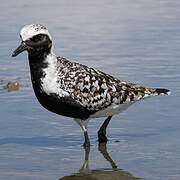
(37, 38)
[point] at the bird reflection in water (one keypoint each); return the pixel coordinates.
(112, 173)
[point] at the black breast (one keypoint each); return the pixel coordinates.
(65, 106)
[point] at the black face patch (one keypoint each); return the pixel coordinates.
(37, 38)
(39, 43)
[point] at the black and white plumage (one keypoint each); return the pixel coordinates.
(74, 90)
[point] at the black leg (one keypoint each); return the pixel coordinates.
(83, 124)
(102, 131)
(87, 142)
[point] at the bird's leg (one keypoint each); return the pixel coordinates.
(86, 137)
(102, 131)
(83, 124)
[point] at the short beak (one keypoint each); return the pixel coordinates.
(20, 49)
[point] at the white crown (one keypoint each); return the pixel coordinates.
(31, 30)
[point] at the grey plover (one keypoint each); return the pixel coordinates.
(75, 90)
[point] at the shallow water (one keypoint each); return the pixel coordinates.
(137, 41)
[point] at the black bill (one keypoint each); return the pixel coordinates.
(20, 49)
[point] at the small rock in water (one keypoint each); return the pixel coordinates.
(12, 86)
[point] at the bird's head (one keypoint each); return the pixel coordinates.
(35, 39)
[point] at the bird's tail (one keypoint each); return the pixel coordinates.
(155, 92)
(159, 91)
